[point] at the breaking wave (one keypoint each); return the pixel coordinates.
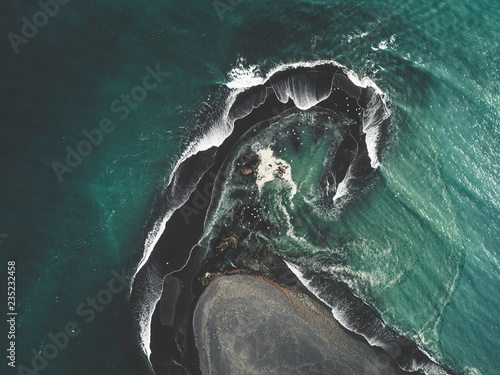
(183, 210)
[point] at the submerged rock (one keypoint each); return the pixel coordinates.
(227, 243)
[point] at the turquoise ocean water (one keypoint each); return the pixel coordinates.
(420, 244)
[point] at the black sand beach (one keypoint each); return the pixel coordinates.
(245, 324)
(178, 254)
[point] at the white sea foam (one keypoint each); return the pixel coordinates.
(266, 171)
(431, 368)
(290, 229)
(371, 127)
(337, 314)
(151, 240)
(213, 137)
(472, 371)
(297, 89)
(151, 288)
(241, 78)
(370, 123)
(241, 71)
(342, 187)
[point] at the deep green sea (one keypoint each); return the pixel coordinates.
(421, 244)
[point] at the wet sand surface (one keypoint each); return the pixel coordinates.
(249, 325)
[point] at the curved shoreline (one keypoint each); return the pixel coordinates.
(246, 322)
(173, 346)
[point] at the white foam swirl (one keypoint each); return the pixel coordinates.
(242, 78)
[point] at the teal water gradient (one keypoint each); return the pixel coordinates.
(433, 212)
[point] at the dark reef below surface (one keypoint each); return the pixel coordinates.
(179, 269)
